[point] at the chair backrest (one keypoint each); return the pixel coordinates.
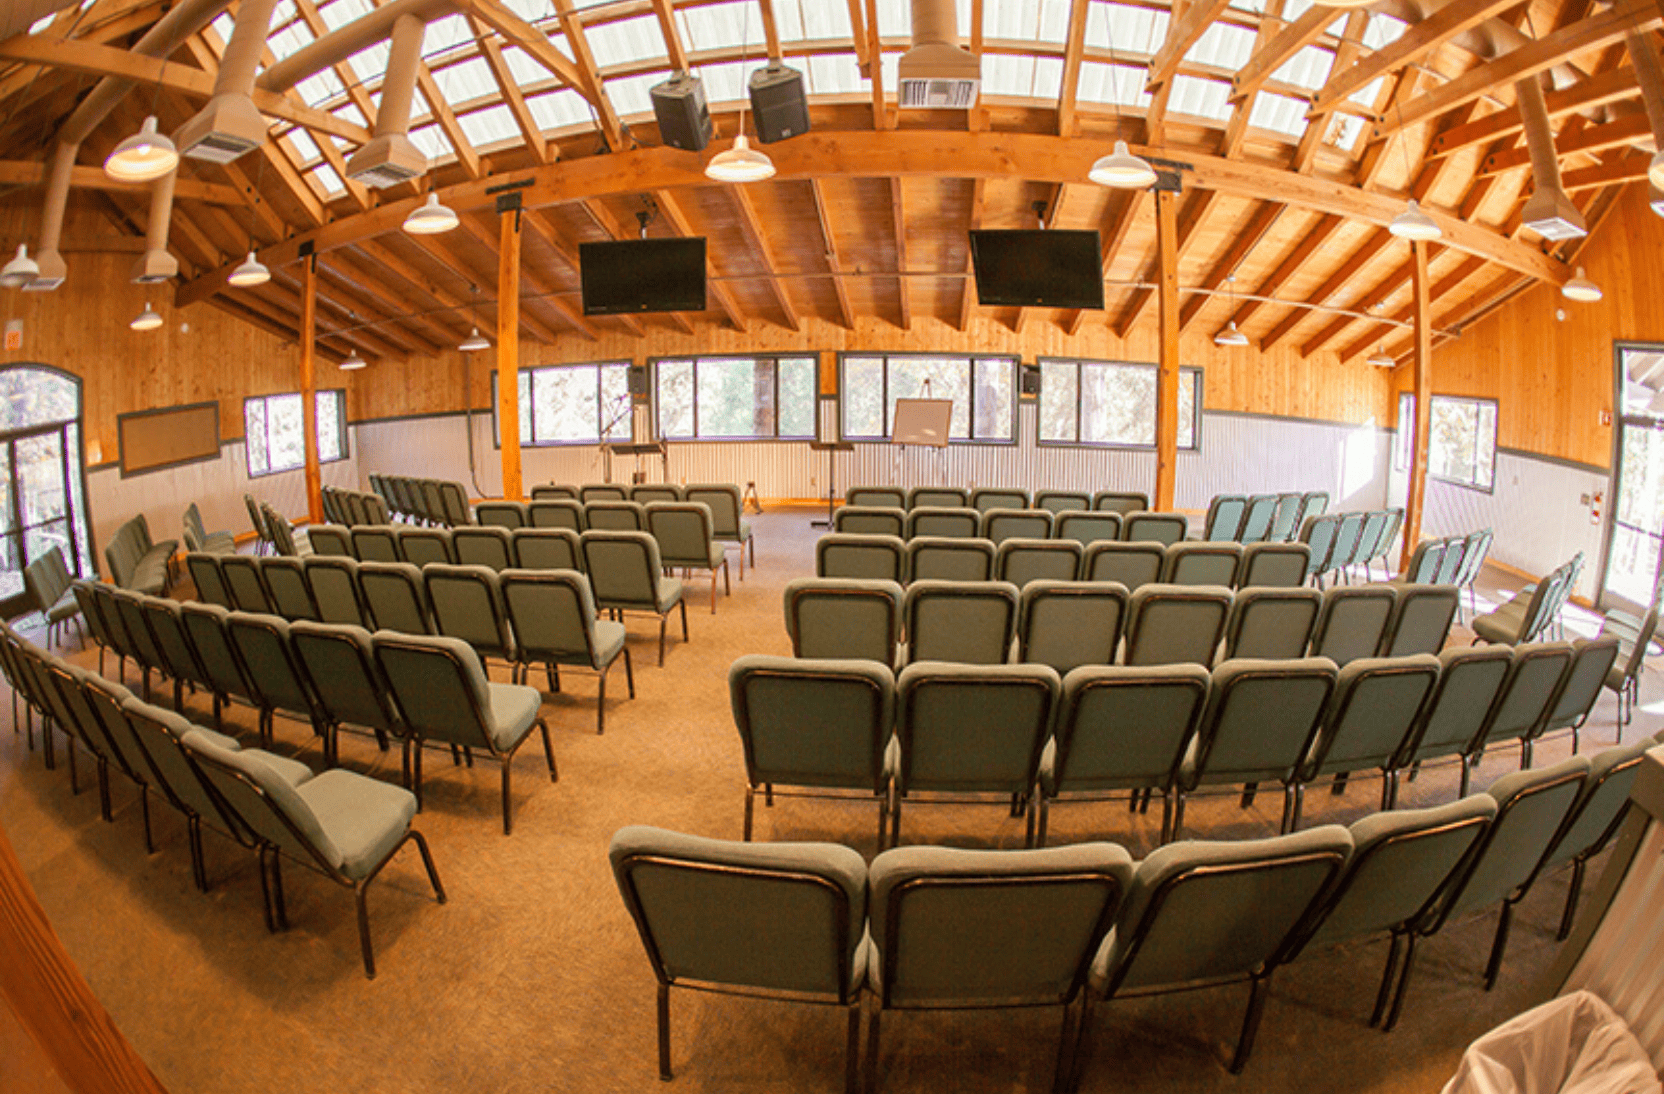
(1455, 552)
(262, 644)
(257, 518)
(1421, 619)
(393, 597)
(844, 618)
(938, 497)
(467, 603)
(166, 621)
(1174, 623)
(1201, 563)
(1161, 528)
(960, 621)
(244, 580)
(205, 624)
(1389, 533)
(684, 532)
(875, 557)
(986, 498)
(1529, 691)
(1122, 726)
(1066, 624)
(439, 685)
(973, 727)
(547, 549)
(955, 927)
(649, 492)
(552, 613)
(813, 721)
(623, 568)
(1354, 621)
(1062, 501)
(869, 521)
(603, 491)
(334, 583)
(420, 546)
(1273, 563)
(950, 559)
(1261, 719)
(291, 596)
(565, 513)
(1634, 647)
(206, 576)
(724, 502)
(339, 663)
(1119, 501)
(615, 516)
(1470, 680)
(262, 800)
(453, 504)
(330, 540)
(880, 497)
(1318, 534)
(1369, 536)
(487, 546)
(999, 525)
(1345, 551)
(1132, 564)
(1424, 562)
(1088, 526)
(130, 606)
(1376, 705)
(1601, 805)
(1256, 521)
(1272, 623)
(1021, 561)
(86, 596)
(375, 544)
(159, 733)
(550, 491)
(1473, 558)
(1285, 519)
(960, 522)
(1224, 519)
(502, 514)
(780, 916)
(1592, 661)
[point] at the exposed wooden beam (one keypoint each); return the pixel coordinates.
(672, 37)
(857, 22)
(464, 310)
(1417, 41)
(309, 388)
(603, 219)
(1338, 280)
(345, 270)
(1621, 169)
(1374, 333)
(1182, 33)
(899, 223)
(439, 252)
(492, 51)
(1377, 293)
(441, 111)
(1188, 221)
(881, 118)
(1309, 243)
(715, 290)
(1167, 352)
(967, 290)
(535, 224)
(508, 350)
(516, 31)
(1593, 138)
(1242, 242)
(1073, 49)
(355, 304)
(1598, 90)
(1276, 53)
(829, 248)
(551, 295)
(771, 28)
(15, 173)
(1421, 384)
(751, 226)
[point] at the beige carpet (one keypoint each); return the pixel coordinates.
(532, 977)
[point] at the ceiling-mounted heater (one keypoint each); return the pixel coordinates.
(230, 125)
(391, 158)
(156, 264)
(937, 73)
(1549, 211)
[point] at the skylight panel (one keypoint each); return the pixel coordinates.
(721, 26)
(893, 22)
(833, 74)
(493, 125)
(338, 13)
(1223, 45)
(1005, 74)
(1121, 85)
(1308, 69)
(629, 95)
(304, 146)
(432, 142)
(445, 34)
(221, 25)
(1200, 98)
(1369, 94)
(320, 88)
(1382, 30)
(466, 81)
(726, 82)
(328, 180)
(1024, 20)
(291, 38)
(1125, 29)
(531, 10)
(625, 40)
(522, 68)
(811, 20)
(1344, 131)
(349, 112)
(1278, 113)
(559, 109)
(370, 64)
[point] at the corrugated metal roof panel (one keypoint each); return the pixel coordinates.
(1223, 45)
(833, 74)
(1278, 113)
(1124, 28)
(1200, 98)
(466, 81)
(625, 40)
(811, 20)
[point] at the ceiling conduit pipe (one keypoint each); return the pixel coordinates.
(1549, 211)
(52, 269)
(229, 125)
(1487, 41)
(391, 158)
(343, 42)
(156, 264)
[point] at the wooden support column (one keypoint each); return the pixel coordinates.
(1421, 364)
(508, 347)
(1167, 373)
(309, 386)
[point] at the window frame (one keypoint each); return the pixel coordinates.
(774, 359)
(628, 422)
(1496, 423)
(1196, 409)
(1403, 443)
(340, 394)
(1013, 361)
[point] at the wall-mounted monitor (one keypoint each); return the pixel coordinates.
(628, 276)
(1035, 268)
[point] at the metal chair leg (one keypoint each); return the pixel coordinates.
(1251, 1023)
(751, 806)
(664, 1031)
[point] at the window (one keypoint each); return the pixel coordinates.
(1111, 403)
(983, 390)
(735, 398)
(1404, 441)
(573, 404)
(1461, 444)
(273, 431)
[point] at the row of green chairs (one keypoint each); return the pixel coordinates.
(930, 928)
(341, 824)
(1534, 610)
(1450, 560)
(986, 498)
(1077, 525)
(273, 532)
(351, 508)
(1259, 518)
(47, 580)
(198, 538)
(138, 562)
(612, 506)
(1340, 541)
(423, 501)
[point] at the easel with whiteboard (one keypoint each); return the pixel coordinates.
(921, 422)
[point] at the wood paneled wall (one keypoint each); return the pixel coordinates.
(1552, 380)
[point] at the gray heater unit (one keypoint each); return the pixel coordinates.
(778, 103)
(684, 119)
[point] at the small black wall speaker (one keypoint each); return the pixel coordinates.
(1031, 379)
(679, 105)
(778, 103)
(638, 382)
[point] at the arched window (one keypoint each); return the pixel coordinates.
(43, 495)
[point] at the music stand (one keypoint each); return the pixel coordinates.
(831, 448)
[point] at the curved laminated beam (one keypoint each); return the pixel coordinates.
(888, 153)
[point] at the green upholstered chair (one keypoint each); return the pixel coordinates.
(863, 520)
(1470, 681)
(164, 619)
(334, 585)
(1455, 554)
(1259, 724)
(1169, 623)
(615, 516)
(86, 597)
(1257, 518)
(872, 557)
(781, 920)
(1353, 622)
(204, 570)
(482, 545)
(1634, 642)
(943, 522)
(442, 690)
(603, 491)
(1120, 501)
(1201, 914)
(198, 538)
(1592, 662)
(1066, 624)
(1021, 560)
(502, 514)
(1424, 562)
(1344, 553)
(1062, 501)
(1224, 518)
(1527, 696)
(987, 498)
(938, 497)
(839, 619)
(343, 824)
(262, 535)
(1473, 561)
(814, 725)
(1201, 562)
(626, 574)
(1369, 541)
(954, 928)
(649, 492)
(48, 581)
(950, 558)
(331, 540)
(276, 679)
(547, 549)
(339, 667)
(142, 647)
(551, 491)
(1595, 818)
(420, 546)
(1400, 865)
(97, 704)
(1000, 525)
(1374, 710)
(1420, 620)
(1273, 564)
(1122, 728)
(452, 507)
(1271, 622)
(1389, 535)
(205, 626)
(728, 521)
(1131, 564)
(376, 543)
(683, 531)
(1318, 534)
(553, 617)
(565, 513)
(965, 621)
(286, 585)
(1162, 528)
(883, 497)
(467, 603)
(65, 696)
(283, 534)
(246, 583)
(972, 729)
(393, 596)
(1285, 519)
(1087, 527)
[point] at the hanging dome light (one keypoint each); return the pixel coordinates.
(1413, 224)
(251, 272)
(353, 362)
(1230, 336)
(474, 342)
(146, 320)
(1122, 170)
(144, 156)
(1381, 358)
(430, 218)
(741, 163)
(1580, 289)
(20, 270)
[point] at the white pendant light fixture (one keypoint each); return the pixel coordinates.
(1122, 170)
(252, 272)
(430, 218)
(353, 362)
(1381, 358)
(144, 156)
(1413, 224)
(146, 320)
(1230, 336)
(1580, 289)
(474, 342)
(20, 270)
(741, 163)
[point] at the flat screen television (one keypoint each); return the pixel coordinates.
(627, 276)
(1038, 268)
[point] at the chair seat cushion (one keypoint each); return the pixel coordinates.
(668, 593)
(609, 642)
(1503, 630)
(513, 713)
(65, 608)
(366, 818)
(290, 771)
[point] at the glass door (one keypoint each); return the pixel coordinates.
(37, 514)
(1635, 524)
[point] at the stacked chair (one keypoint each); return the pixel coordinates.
(431, 502)
(352, 507)
(1534, 610)
(136, 561)
(198, 538)
(1341, 542)
(1261, 518)
(48, 582)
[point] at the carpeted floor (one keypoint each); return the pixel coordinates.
(532, 977)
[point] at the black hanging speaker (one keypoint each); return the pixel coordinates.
(1031, 379)
(778, 103)
(679, 105)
